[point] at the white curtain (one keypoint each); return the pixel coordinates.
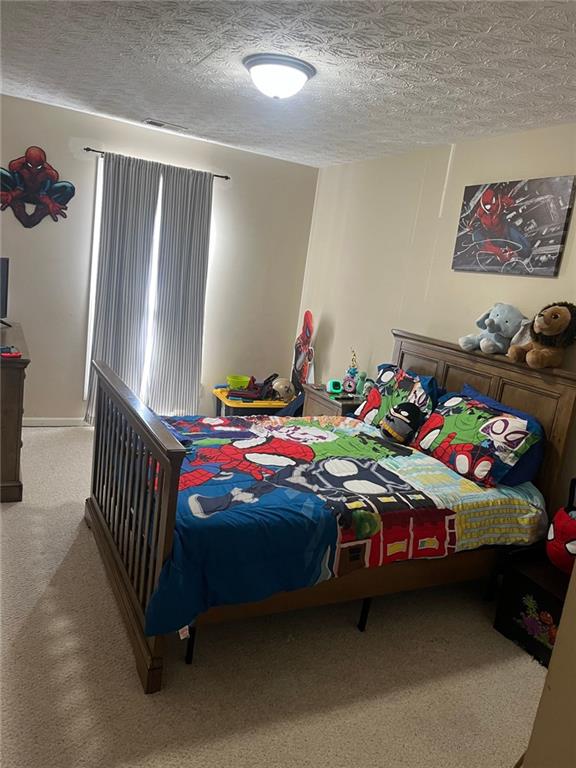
(167, 343)
(176, 344)
(129, 199)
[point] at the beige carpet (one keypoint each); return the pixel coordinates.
(429, 684)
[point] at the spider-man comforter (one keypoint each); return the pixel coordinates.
(269, 504)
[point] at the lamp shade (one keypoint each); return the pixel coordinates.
(278, 76)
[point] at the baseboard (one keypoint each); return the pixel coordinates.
(42, 421)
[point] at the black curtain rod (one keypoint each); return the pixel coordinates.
(101, 152)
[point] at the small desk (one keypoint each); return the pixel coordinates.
(227, 407)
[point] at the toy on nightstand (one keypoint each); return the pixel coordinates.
(561, 543)
(10, 352)
(360, 381)
(349, 380)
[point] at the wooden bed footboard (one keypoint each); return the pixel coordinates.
(132, 505)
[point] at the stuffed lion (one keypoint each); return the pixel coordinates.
(551, 331)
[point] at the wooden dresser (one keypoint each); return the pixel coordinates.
(12, 375)
(317, 402)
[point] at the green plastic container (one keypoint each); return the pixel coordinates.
(238, 382)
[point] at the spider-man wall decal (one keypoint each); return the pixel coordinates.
(31, 181)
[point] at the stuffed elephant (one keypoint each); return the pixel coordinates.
(499, 324)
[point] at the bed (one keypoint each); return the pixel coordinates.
(183, 509)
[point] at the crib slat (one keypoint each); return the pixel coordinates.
(112, 467)
(128, 504)
(145, 553)
(154, 536)
(117, 423)
(107, 500)
(104, 454)
(97, 445)
(116, 478)
(123, 485)
(102, 417)
(137, 487)
(144, 461)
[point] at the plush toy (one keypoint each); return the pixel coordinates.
(551, 331)
(561, 543)
(499, 324)
(360, 381)
(368, 385)
(402, 422)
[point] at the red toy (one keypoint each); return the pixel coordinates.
(561, 544)
(303, 353)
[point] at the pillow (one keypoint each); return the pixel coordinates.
(476, 440)
(393, 386)
(526, 468)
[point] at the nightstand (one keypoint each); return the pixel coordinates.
(317, 402)
(530, 603)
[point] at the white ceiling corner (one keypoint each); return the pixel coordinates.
(391, 75)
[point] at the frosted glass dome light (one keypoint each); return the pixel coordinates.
(276, 75)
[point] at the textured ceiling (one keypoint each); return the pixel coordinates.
(391, 75)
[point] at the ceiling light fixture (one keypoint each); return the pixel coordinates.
(276, 75)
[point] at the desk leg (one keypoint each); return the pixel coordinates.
(218, 406)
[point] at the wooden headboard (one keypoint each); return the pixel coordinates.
(548, 394)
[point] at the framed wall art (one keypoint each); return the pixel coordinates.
(514, 227)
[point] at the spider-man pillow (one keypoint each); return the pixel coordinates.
(394, 386)
(476, 440)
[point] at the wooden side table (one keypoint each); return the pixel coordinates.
(317, 402)
(530, 603)
(12, 375)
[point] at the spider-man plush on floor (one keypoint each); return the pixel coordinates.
(30, 179)
(561, 544)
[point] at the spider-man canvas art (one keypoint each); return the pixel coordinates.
(514, 227)
(32, 189)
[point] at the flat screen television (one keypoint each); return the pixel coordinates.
(3, 289)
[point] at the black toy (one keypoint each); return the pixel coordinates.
(402, 422)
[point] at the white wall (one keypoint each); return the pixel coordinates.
(383, 236)
(261, 221)
(382, 240)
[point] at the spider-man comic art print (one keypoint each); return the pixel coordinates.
(32, 189)
(514, 227)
